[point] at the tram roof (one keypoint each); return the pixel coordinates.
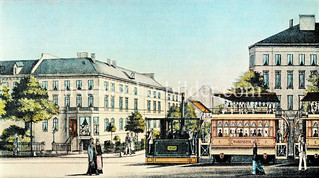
(311, 96)
(249, 97)
(200, 106)
(172, 118)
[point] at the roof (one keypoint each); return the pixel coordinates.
(201, 106)
(78, 66)
(292, 35)
(311, 96)
(249, 97)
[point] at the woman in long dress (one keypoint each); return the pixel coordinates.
(99, 160)
(257, 167)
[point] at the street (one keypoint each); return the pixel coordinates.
(134, 166)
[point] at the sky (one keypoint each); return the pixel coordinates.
(185, 43)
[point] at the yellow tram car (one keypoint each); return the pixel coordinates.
(250, 118)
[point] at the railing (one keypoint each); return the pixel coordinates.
(83, 108)
(61, 147)
(247, 110)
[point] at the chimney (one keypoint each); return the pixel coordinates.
(82, 54)
(307, 22)
(114, 63)
(109, 62)
(93, 57)
(291, 23)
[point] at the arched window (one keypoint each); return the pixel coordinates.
(233, 124)
(226, 124)
(126, 121)
(253, 124)
(220, 124)
(315, 125)
(240, 124)
(121, 124)
(266, 125)
(106, 124)
(246, 125)
(113, 121)
(260, 124)
(55, 124)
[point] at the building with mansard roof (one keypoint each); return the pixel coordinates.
(90, 94)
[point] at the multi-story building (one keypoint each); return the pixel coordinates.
(90, 94)
(287, 59)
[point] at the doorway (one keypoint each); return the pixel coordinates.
(73, 127)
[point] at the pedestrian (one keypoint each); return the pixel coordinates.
(257, 168)
(92, 158)
(150, 142)
(99, 160)
(132, 144)
(128, 144)
(302, 153)
(15, 145)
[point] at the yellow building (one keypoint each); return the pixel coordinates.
(90, 95)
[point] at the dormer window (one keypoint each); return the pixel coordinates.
(17, 67)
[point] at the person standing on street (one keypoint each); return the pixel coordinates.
(99, 160)
(128, 144)
(150, 142)
(257, 167)
(132, 144)
(92, 158)
(302, 153)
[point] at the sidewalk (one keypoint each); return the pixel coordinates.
(105, 155)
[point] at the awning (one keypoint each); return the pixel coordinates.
(249, 97)
(311, 96)
(201, 106)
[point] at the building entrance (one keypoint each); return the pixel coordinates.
(73, 127)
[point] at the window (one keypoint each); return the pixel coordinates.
(154, 123)
(79, 101)
(154, 106)
(266, 78)
(113, 87)
(301, 59)
(266, 59)
(126, 103)
(55, 85)
(173, 97)
(112, 102)
(302, 79)
(278, 59)
(279, 99)
(313, 59)
(135, 104)
(113, 121)
(278, 80)
(148, 93)
(121, 124)
(106, 86)
(79, 84)
(121, 88)
(290, 59)
(169, 106)
(106, 101)
(15, 84)
(126, 89)
(85, 125)
(90, 101)
(55, 124)
(300, 102)
(135, 90)
(67, 84)
(121, 103)
(290, 102)
(148, 105)
(169, 96)
(154, 94)
(55, 99)
(67, 101)
(90, 84)
(45, 85)
(96, 126)
(290, 79)
(158, 95)
(313, 72)
(45, 125)
(106, 124)
(159, 106)
(252, 60)
(177, 98)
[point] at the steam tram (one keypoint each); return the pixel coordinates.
(307, 124)
(246, 119)
(173, 143)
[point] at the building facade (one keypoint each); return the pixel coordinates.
(287, 59)
(90, 95)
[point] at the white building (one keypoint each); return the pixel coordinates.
(90, 95)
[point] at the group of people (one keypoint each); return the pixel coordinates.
(129, 144)
(95, 158)
(243, 107)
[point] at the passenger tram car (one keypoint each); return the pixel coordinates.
(307, 124)
(243, 120)
(175, 143)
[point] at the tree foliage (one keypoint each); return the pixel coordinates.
(4, 98)
(189, 112)
(314, 80)
(111, 128)
(136, 123)
(7, 136)
(250, 81)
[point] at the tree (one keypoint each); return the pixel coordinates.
(111, 128)
(251, 81)
(314, 80)
(189, 112)
(30, 103)
(4, 98)
(136, 123)
(7, 136)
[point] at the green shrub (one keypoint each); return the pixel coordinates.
(108, 146)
